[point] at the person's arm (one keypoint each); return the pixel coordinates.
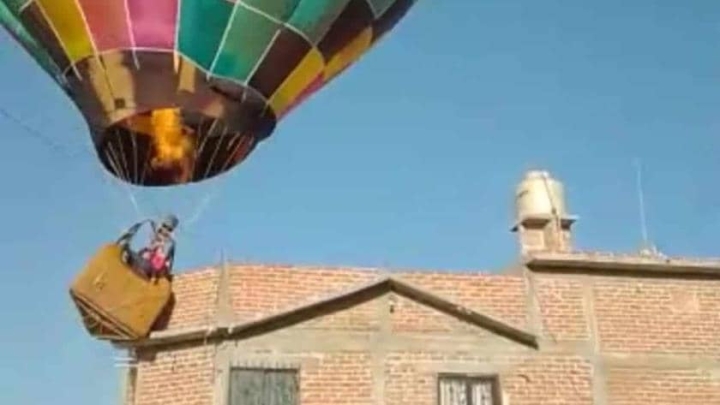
(127, 236)
(171, 255)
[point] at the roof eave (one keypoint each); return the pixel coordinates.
(629, 265)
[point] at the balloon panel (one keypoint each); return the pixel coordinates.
(15, 5)
(248, 35)
(314, 18)
(68, 25)
(209, 17)
(153, 23)
(194, 72)
(107, 31)
(16, 29)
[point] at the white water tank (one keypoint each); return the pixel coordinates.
(539, 196)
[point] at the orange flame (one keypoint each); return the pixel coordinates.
(173, 144)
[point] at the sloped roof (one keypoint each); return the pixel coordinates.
(333, 303)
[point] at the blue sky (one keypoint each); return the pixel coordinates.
(407, 161)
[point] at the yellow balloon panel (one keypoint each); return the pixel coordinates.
(349, 54)
(308, 71)
(69, 25)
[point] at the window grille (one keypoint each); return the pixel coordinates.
(468, 390)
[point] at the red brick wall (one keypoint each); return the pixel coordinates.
(495, 295)
(562, 308)
(338, 378)
(631, 386)
(529, 380)
(662, 316)
(259, 291)
(174, 377)
(195, 295)
(623, 340)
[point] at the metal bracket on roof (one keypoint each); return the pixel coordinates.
(223, 305)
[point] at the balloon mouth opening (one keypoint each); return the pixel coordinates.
(171, 146)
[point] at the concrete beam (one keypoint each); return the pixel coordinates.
(621, 265)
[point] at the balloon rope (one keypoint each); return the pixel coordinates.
(131, 196)
(125, 176)
(58, 148)
(203, 205)
(36, 134)
(55, 147)
(214, 155)
(239, 140)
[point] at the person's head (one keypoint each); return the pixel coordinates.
(168, 225)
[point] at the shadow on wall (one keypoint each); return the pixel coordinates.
(161, 323)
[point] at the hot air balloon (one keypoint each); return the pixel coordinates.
(178, 91)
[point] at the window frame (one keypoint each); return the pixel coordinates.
(468, 379)
(295, 371)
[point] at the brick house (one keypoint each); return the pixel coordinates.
(563, 327)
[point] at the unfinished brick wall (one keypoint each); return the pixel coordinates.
(678, 317)
(644, 385)
(179, 376)
(337, 378)
(603, 340)
(195, 295)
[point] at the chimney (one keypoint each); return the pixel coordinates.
(541, 219)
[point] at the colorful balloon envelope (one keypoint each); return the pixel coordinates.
(178, 91)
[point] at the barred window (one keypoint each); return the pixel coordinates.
(468, 390)
(252, 386)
